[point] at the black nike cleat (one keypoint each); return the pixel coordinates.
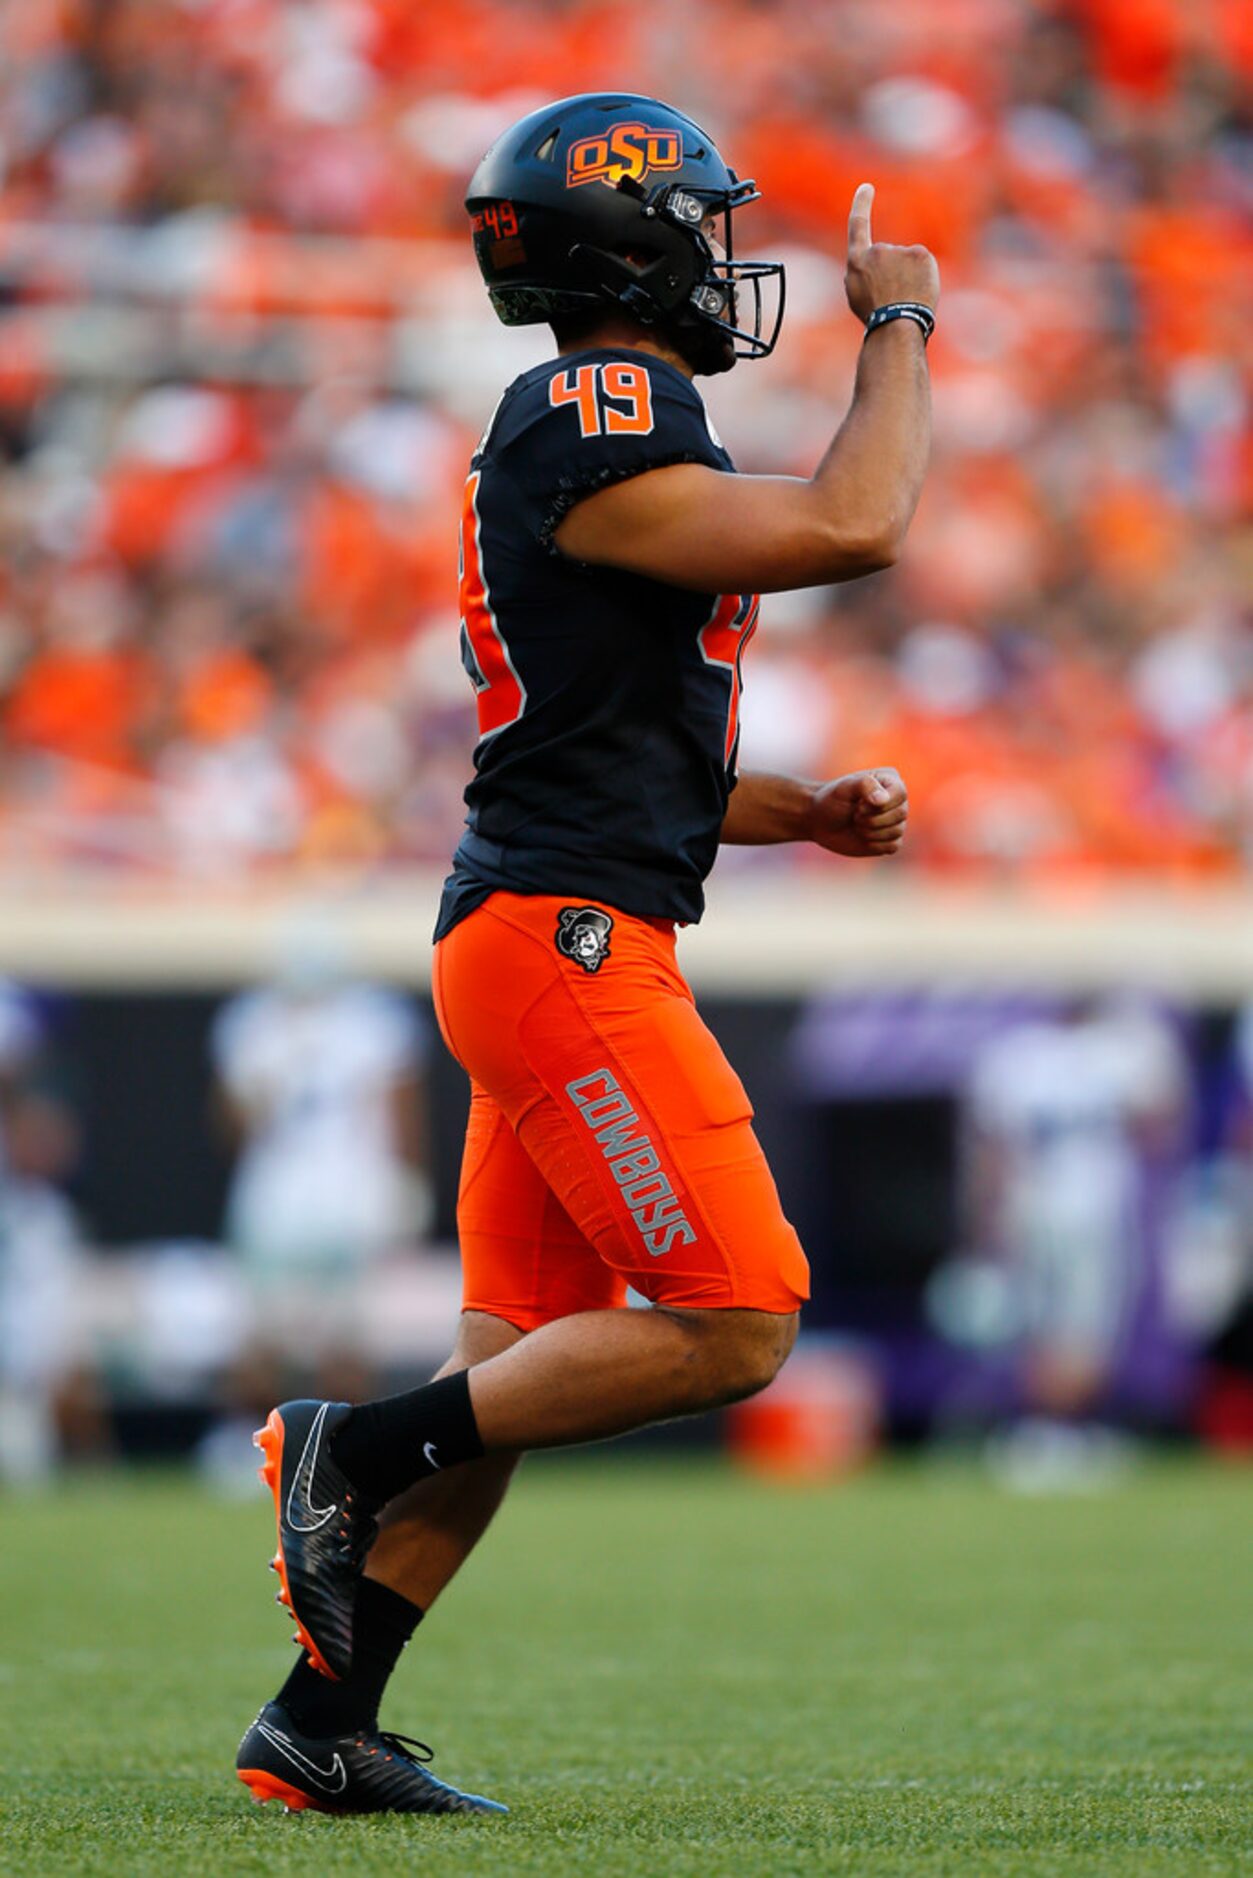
(325, 1528)
(365, 1772)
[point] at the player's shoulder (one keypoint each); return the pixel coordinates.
(241, 1026)
(666, 379)
(607, 394)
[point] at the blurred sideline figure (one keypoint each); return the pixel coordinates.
(1069, 1119)
(1224, 1404)
(47, 1402)
(320, 1080)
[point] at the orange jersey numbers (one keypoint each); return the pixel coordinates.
(578, 386)
(613, 400)
(499, 692)
(627, 385)
(501, 218)
(722, 640)
(623, 150)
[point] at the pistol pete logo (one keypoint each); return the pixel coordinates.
(623, 150)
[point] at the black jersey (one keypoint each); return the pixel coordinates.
(608, 704)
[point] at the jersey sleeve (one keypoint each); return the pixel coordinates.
(587, 424)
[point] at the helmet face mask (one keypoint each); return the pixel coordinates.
(603, 201)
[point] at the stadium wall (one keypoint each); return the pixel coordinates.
(760, 935)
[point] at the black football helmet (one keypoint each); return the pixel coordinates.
(604, 199)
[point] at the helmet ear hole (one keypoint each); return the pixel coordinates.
(652, 287)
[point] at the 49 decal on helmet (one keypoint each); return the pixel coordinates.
(612, 199)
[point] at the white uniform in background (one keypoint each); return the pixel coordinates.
(1244, 1049)
(1065, 1107)
(320, 1184)
(40, 1279)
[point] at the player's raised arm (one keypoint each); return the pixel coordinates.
(698, 527)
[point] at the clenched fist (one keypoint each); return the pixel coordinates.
(878, 273)
(862, 815)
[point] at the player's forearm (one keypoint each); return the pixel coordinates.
(869, 482)
(765, 809)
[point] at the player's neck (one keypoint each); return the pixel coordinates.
(634, 338)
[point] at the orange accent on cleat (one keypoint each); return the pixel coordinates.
(263, 1787)
(270, 1440)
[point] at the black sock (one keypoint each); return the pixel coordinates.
(385, 1446)
(382, 1624)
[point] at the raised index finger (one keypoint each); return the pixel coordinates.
(859, 219)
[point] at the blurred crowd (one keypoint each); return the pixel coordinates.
(244, 356)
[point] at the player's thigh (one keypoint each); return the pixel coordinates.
(524, 1260)
(624, 1100)
(646, 1133)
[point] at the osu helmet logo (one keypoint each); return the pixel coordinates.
(583, 935)
(623, 150)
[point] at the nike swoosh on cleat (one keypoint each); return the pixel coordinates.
(332, 1779)
(428, 1449)
(317, 1515)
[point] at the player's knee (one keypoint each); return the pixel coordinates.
(768, 1348)
(754, 1347)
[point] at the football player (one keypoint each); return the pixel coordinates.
(611, 560)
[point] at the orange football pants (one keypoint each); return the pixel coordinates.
(609, 1141)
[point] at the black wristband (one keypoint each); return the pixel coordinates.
(914, 310)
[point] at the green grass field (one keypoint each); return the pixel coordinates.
(666, 1669)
